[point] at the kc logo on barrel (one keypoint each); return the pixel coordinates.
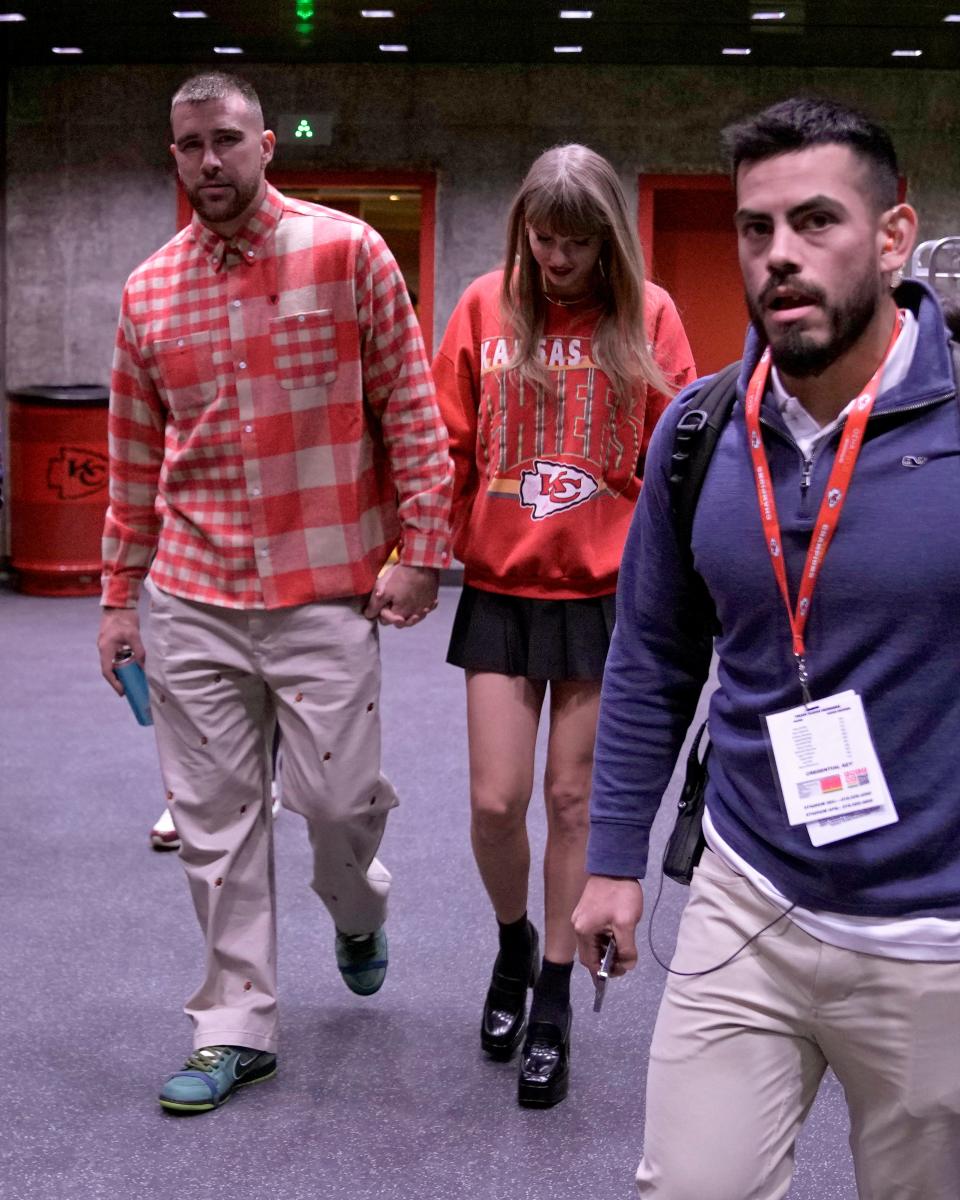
(77, 472)
(553, 487)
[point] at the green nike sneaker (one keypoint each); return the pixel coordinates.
(211, 1075)
(362, 959)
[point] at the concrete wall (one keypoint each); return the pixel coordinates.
(90, 185)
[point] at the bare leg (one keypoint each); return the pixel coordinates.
(573, 725)
(503, 712)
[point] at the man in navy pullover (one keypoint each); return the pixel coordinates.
(828, 539)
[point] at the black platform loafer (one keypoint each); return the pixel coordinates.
(505, 1008)
(545, 1065)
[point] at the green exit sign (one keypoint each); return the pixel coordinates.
(305, 129)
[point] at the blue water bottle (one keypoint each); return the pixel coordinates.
(134, 682)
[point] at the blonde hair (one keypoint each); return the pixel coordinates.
(570, 191)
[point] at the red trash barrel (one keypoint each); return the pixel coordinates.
(58, 488)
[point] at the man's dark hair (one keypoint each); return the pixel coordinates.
(215, 85)
(800, 122)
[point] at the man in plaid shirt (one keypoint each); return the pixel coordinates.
(273, 437)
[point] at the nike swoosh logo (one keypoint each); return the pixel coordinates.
(240, 1063)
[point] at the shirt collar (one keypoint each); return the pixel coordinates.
(247, 243)
(804, 428)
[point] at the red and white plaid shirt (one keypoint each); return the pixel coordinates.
(273, 427)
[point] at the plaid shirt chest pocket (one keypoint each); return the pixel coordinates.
(188, 376)
(305, 349)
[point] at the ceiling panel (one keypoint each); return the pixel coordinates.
(851, 33)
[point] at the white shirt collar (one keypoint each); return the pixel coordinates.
(804, 429)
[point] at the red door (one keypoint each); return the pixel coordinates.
(686, 228)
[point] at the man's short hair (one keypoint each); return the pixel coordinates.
(800, 122)
(215, 85)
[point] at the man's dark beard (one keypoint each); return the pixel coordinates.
(795, 355)
(242, 198)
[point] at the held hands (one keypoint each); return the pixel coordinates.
(403, 596)
(118, 627)
(608, 907)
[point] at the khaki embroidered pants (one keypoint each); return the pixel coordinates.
(219, 680)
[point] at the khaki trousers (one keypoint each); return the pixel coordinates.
(219, 681)
(737, 1057)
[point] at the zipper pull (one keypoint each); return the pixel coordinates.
(807, 471)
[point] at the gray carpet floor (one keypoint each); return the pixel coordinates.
(385, 1097)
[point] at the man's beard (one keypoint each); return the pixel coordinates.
(795, 353)
(218, 213)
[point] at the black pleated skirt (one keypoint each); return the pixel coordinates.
(538, 639)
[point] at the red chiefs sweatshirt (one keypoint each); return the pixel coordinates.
(546, 479)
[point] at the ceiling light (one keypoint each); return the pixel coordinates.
(228, 49)
(576, 14)
(377, 14)
(12, 17)
(568, 49)
(954, 17)
(768, 14)
(393, 196)
(905, 53)
(742, 50)
(394, 48)
(66, 49)
(190, 14)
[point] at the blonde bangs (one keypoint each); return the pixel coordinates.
(565, 211)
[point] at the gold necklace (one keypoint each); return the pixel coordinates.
(566, 303)
(556, 299)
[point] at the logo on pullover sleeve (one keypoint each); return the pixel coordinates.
(553, 487)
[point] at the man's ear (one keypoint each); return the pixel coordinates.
(896, 236)
(268, 141)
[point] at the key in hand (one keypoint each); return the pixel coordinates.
(603, 974)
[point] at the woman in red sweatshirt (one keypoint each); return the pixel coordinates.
(551, 376)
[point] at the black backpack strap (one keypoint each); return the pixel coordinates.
(694, 441)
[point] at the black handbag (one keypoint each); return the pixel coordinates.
(686, 843)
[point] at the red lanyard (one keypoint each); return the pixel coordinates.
(831, 505)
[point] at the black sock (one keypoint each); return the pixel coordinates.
(551, 995)
(515, 944)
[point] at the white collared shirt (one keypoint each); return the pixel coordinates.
(805, 431)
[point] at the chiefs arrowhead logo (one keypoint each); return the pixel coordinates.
(77, 472)
(553, 487)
